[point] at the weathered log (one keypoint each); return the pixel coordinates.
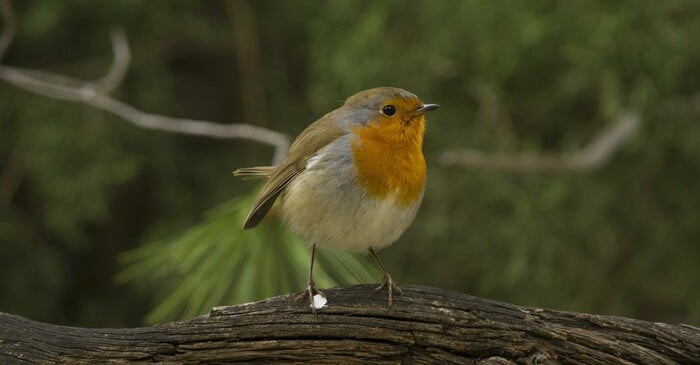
(425, 325)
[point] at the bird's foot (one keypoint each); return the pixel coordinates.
(391, 288)
(309, 292)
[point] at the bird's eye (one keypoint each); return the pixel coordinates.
(389, 110)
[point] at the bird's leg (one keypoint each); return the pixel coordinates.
(310, 288)
(386, 281)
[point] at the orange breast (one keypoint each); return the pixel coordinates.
(389, 159)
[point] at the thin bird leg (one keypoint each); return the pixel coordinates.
(310, 288)
(386, 281)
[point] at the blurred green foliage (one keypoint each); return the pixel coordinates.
(78, 188)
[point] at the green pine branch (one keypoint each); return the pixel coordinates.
(216, 262)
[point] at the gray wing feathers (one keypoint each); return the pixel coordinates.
(269, 193)
(313, 138)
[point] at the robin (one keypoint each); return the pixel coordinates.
(353, 180)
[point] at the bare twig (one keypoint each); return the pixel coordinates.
(8, 33)
(120, 63)
(95, 94)
(90, 96)
(590, 157)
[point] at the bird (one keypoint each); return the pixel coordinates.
(353, 180)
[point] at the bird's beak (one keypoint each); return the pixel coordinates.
(425, 108)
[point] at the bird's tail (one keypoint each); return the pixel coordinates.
(255, 172)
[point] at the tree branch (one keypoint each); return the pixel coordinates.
(426, 325)
(592, 156)
(95, 94)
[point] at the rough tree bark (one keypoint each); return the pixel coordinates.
(425, 325)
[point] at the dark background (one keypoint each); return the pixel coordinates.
(80, 187)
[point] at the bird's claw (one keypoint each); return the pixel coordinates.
(391, 287)
(309, 292)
